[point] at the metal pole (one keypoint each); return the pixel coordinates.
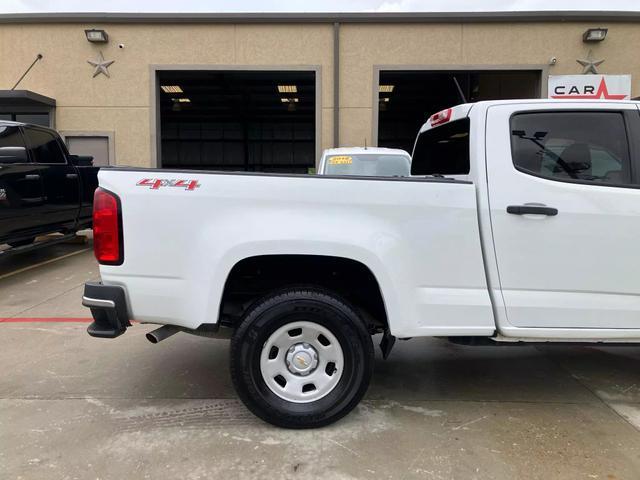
(462, 97)
(38, 57)
(336, 84)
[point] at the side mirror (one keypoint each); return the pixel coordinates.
(81, 160)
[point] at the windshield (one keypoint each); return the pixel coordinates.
(369, 165)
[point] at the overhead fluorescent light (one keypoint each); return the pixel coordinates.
(181, 100)
(289, 99)
(595, 35)
(171, 89)
(287, 89)
(384, 99)
(96, 36)
(386, 88)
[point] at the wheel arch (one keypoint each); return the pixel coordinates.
(252, 277)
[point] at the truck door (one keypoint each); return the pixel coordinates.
(21, 195)
(60, 179)
(564, 196)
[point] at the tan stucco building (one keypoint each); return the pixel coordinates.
(345, 59)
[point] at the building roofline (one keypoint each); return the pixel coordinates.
(25, 97)
(366, 17)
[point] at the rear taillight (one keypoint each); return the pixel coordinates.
(107, 228)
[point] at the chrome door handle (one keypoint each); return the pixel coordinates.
(32, 176)
(532, 210)
(72, 176)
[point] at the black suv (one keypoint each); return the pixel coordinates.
(43, 189)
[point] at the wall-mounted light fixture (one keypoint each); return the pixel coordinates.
(595, 35)
(96, 36)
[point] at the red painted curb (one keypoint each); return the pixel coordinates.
(45, 319)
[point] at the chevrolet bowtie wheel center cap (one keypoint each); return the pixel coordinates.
(301, 359)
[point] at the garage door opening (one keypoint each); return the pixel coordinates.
(407, 98)
(257, 121)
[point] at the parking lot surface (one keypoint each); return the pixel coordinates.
(72, 406)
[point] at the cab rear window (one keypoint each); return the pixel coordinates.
(443, 150)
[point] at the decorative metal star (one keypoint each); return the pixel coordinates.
(101, 65)
(590, 64)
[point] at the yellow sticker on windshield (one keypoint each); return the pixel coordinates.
(341, 160)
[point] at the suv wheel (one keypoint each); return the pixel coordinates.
(301, 358)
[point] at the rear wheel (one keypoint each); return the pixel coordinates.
(301, 358)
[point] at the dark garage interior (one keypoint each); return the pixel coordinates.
(408, 98)
(258, 121)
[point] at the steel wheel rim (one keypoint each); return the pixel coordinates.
(289, 367)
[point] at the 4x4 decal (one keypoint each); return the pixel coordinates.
(156, 183)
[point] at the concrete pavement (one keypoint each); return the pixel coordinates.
(76, 407)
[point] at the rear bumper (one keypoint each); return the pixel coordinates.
(108, 308)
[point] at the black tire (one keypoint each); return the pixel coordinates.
(22, 243)
(277, 310)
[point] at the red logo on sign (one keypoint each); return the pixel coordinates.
(602, 93)
(156, 183)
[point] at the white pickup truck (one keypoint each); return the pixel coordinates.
(520, 223)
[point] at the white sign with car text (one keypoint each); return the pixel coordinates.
(590, 87)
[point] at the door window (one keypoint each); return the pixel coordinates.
(33, 118)
(584, 147)
(12, 148)
(44, 146)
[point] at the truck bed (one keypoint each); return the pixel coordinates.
(418, 236)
